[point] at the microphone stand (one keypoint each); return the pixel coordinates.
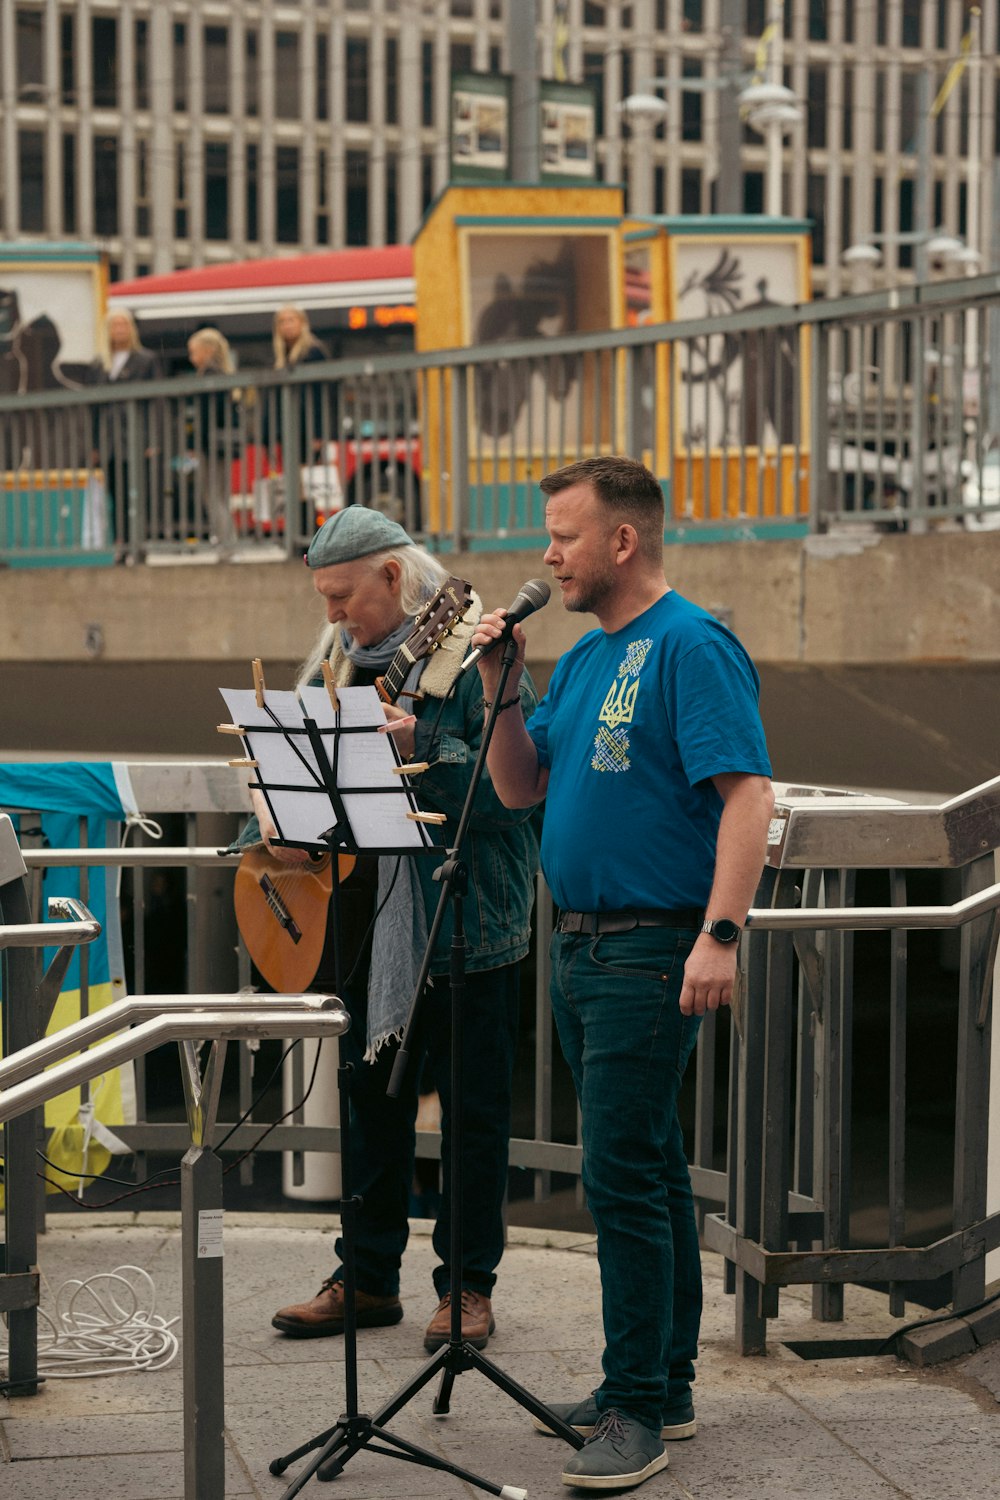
(341, 1442)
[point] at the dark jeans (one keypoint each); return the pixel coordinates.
(382, 1133)
(615, 1000)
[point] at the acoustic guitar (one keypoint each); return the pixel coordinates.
(281, 909)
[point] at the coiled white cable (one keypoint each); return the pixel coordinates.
(105, 1325)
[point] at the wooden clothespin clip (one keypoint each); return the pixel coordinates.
(414, 770)
(258, 680)
(244, 762)
(230, 729)
(426, 817)
(328, 683)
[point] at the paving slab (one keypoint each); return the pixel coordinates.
(777, 1427)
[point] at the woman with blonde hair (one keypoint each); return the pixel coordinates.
(295, 344)
(214, 425)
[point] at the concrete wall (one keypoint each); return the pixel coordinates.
(879, 656)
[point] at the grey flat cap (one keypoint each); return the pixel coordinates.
(353, 533)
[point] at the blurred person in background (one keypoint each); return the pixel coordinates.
(126, 363)
(213, 433)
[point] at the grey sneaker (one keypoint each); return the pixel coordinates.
(584, 1416)
(619, 1453)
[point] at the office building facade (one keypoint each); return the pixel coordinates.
(178, 132)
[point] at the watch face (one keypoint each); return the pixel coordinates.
(725, 930)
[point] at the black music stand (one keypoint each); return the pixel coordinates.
(276, 725)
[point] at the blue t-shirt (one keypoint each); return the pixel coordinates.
(633, 726)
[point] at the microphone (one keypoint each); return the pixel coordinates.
(531, 596)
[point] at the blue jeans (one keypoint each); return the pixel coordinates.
(382, 1132)
(615, 1001)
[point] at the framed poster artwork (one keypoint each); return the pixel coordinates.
(734, 391)
(568, 132)
(524, 284)
(51, 321)
(480, 128)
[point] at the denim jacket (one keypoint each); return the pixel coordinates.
(501, 849)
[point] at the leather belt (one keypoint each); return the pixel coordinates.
(593, 923)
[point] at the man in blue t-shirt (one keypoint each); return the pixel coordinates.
(649, 752)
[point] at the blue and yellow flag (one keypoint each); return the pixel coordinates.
(63, 793)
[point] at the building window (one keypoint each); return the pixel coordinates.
(322, 76)
(251, 77)
(391, 195)
(427, 83)
(67, 56)
(141, 80)
(694, 19)
(253, 187)
(216, 190)
(30, 70)
(106, 184)
(690, 105)
(104, 63)
(461, 57)
(287, 172)
(593, 73)
(287, 83)
(357, 198)
(816, 211)
(180, 192)
(391, 80)
(142, 214)
(817, 20)
(690, 190)
(357, 79)
(426, 182)
(180, 67)
(216, 58)
(753, 192)
(816, 108)
(31, 166)
(322, 197)
(69, 183)
(911, 25)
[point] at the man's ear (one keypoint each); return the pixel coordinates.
(392, 573)
(626, 543)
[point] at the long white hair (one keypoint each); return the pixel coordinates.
(420, 577)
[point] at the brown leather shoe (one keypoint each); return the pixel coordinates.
(477, 1321)
(324, 1315)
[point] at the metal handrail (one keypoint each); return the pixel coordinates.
(83, 929)
(262, 1020)
(121, 1013)
(128, 855)
(829, 832)
(875, 918)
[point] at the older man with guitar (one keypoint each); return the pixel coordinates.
(395, 619)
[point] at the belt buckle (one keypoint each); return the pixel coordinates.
(571, 921)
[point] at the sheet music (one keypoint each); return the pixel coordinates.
(304, 813)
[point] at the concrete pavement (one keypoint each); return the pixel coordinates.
(773, 1428)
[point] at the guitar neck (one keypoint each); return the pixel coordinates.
(395, 674)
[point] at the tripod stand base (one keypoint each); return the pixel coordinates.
(339, 1444)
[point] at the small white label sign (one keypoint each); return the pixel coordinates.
(209, 1232)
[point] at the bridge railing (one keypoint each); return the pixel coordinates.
(876, 411)
(844, 1037)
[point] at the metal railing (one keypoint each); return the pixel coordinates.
(771, 1151)
(39, 1072)
(793, 1105)
(872, 411)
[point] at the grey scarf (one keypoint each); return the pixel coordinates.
(400, 935)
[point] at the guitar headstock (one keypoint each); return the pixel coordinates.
(438, 617)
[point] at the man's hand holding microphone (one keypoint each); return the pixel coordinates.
(496, 629)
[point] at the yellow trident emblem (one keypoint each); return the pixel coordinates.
(619, 705)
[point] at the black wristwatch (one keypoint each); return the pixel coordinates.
(722, 930)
